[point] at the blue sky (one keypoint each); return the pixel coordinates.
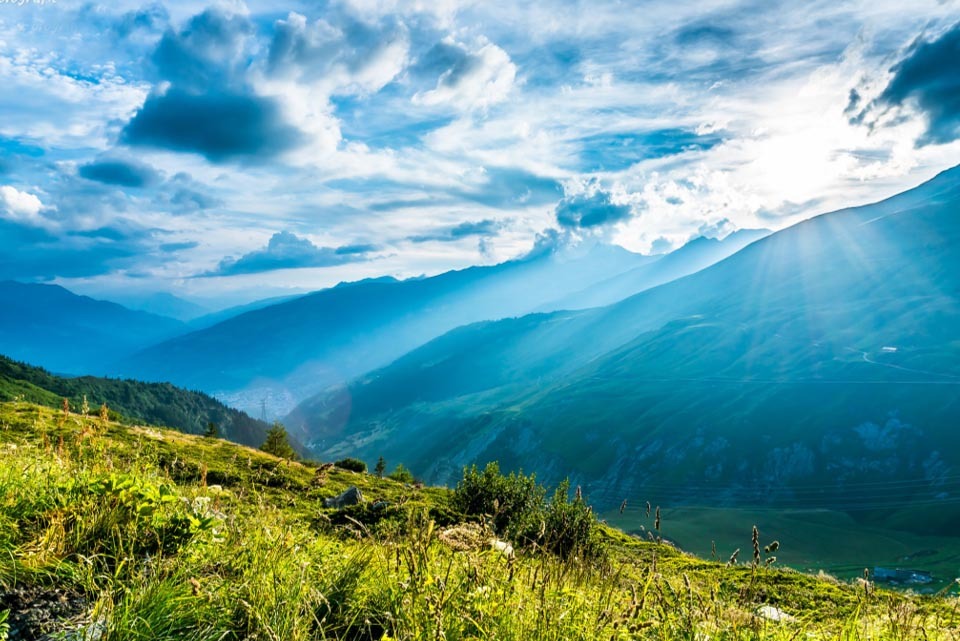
(235, 150)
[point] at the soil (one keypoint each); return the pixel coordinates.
(38, 612)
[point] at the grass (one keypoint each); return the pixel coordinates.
(172, 536)
(812, 540)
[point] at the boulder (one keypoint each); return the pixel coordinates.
(350, 496)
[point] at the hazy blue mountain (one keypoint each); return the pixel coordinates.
(212, 318)
(825, 354)
(49, 326)
(162, 304)
(287, 351)
(697, 254)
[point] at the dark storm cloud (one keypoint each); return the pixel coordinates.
(590, 210)
(218, 125)
(928, 78)
(119, 172)
(204, 104)
(286, 250)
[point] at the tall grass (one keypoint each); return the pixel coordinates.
(123, 518)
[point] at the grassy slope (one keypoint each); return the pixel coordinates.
(171, 536)
(813, 540)
(153, 403)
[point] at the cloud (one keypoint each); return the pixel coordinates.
(484, 228)
(592, 208)
(150, 19)
(926, 79)
(20, 206)
(286, 250)
(203, 103)
(119, 172)
(218, 125)
(661, 245)
(349, 57)
(718, 229)
(468, 79)
(208, 51)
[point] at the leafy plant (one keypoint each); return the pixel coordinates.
(352, 464)
(400, 474)
(514, 503)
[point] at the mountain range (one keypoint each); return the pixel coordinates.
(284, 352)
(50, 326)
(814, 359)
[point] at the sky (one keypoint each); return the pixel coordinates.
(228, 151)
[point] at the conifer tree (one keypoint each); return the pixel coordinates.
(380, 468)
(277, 442)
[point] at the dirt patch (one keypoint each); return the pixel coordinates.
(36, 613)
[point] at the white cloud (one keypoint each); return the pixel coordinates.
(484, 76)
(20, 206)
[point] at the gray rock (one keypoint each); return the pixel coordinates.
(350, 496)
(381, 505)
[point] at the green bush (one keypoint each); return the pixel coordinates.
(570, 527)
(401, 474)
(515, 502)
(519, 511)
(352, 464)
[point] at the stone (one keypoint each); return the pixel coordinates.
(773, 613)
(350, 496)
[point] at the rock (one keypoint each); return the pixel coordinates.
(351, 496)
(503, 547)
(381, 505)
(773, 613)
(463, 537)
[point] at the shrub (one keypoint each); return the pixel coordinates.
(519, 511)
(402, 474)
(514, 502)
(352, 464)
(570, 528)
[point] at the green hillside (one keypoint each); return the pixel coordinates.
(132, 401)
(818, 367)
(116, 532)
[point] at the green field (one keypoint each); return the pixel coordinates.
(810, 540)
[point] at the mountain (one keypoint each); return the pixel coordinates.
(159, 404)
(212, 318)
(162, 304)
(57, 329)
(821, 357)
(283, 353)
(697, 254)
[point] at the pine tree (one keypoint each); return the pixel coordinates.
(380, 468)
(211, 431)
(277, 442)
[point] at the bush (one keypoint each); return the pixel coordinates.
(570, 528)
(520, 512)
(352, 464)
(402, 474)
(514, 502)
